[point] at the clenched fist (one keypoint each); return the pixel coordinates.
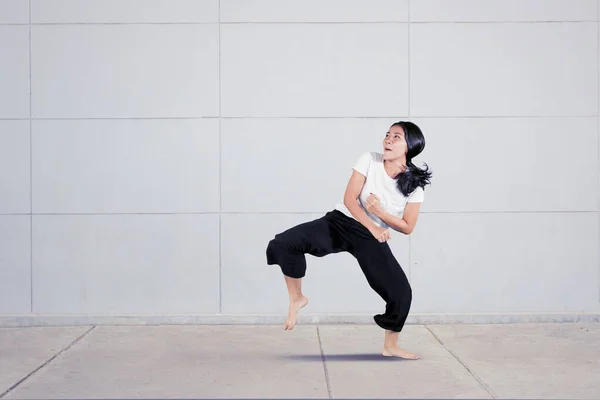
(373, 205)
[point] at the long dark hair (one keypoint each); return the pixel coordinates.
(414, 176)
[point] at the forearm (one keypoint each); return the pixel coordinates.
(359, 214)
(396, 223)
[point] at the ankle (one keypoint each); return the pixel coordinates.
(296, 297)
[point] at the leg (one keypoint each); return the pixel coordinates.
(289, 248)
(386, 277)
(297, 301)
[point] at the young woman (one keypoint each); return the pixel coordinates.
(385, 191)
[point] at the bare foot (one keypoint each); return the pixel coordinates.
(398, 352)
(295, 306)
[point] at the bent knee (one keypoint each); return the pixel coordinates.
(278, 242)
(275, 245)
(279, 245)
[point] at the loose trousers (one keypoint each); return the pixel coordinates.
(334, 233)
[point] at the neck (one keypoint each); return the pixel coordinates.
(394, 167)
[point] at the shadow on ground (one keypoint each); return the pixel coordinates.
(343, 357)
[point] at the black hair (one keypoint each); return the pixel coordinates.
(413, 177)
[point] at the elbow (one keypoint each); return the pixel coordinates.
(410, 229)
(407, 230)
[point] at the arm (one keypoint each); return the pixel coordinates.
(405, 225)
(355, 185)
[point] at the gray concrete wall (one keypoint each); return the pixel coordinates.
(150, 149)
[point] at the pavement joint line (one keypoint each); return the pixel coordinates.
(13, 387)
(324, 364)
(477, 378)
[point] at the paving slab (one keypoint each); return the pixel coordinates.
(356, 368)
(541, 361)
(184, 362)
(23, 350)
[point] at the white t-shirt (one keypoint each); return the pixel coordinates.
(383, 186)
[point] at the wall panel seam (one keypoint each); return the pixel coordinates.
(30, 172)
(220, 172)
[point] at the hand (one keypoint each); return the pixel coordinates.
(381, 234)
(373, 205)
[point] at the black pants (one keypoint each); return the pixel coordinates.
(335, 233)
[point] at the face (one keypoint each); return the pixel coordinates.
(394, 144)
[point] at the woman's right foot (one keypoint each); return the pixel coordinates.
(398, 352)
(295, 306)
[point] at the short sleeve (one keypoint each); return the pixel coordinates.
(363, 163)
(417, 196)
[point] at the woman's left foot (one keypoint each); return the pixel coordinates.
(295, 306)
(398, 352)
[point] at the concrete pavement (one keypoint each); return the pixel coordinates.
(549, 361)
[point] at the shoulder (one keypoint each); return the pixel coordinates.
(365, 161)
(371, 156)
(417, 196)
(376, 156)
